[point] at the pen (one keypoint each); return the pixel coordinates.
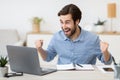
(114, 61)
(79, 65)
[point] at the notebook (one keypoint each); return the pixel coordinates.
(26, 60)
(81, 67)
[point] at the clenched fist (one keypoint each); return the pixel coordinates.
(39, 44)
(104, 49)
(104, 46)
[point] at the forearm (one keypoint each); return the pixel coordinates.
(106, 56)
(104, 49)
(42, 53)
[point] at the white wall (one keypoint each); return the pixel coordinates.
(18, 13)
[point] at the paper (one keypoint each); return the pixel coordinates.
(75, 67)
(65, 67)
(85, 67)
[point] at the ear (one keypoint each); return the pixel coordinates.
(77, 21)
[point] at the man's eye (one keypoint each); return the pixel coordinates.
(67, 22)
(61, 22)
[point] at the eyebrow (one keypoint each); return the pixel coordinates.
(65, 21)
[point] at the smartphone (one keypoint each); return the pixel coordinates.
(13, 74)
(108, 69)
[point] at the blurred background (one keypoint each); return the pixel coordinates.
(18, 14)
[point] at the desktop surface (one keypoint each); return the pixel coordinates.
(67, 75)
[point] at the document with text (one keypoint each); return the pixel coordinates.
(75, 67)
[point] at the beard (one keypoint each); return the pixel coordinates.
(69, 32)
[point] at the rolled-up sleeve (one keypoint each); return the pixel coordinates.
(100, 54)
(51, 53)
(109, 61)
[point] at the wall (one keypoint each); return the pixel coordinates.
(18, 13)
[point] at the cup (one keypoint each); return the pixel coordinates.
(117, 72)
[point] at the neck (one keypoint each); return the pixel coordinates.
(76, 34)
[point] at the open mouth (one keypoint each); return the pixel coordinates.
(67, 31)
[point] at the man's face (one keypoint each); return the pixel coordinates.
(68, 25)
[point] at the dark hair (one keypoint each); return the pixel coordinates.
(73, 10)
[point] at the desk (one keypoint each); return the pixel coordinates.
(67, 75)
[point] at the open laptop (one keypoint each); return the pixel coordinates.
(26, 60)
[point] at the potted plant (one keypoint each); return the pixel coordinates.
(3, 67)
(99, 26)
(36, 24)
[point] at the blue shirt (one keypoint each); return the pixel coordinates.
(83, 50)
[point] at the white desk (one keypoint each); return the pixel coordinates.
(67, 75)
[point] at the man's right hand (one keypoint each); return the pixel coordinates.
(39, 44)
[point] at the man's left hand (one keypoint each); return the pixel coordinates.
(104, 48)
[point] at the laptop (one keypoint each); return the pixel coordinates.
(26, 60)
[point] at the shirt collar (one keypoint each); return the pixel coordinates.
(81, 36)
(64, 37)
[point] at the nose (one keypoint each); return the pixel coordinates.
(63, 25)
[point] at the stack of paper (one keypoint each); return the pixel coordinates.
(84, 67)
(75, 67)
(65, 67)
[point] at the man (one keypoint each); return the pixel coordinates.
(72, 44)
